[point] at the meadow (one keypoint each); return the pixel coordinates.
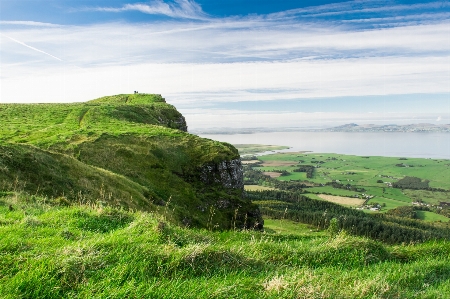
(52, 249)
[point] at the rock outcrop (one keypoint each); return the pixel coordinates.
(227, 173)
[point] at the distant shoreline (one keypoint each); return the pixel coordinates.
(410, 128)
(434, 145)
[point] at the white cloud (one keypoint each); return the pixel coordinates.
(210, 118)
(30, 47)
(255, 58)
(28, 23)
(187, 9)
(354, 7)
(199, 84)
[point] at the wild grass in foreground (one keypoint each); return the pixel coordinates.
(48, 250)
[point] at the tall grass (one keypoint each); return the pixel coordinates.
(50, 250)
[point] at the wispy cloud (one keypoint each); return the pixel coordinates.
(30, 47)
(284, 56)
(186, 9)
(29, 23)
(358, 7)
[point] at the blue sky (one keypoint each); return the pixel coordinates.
(235, 63)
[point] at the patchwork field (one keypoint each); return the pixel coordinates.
(364, 170)
(357, 180)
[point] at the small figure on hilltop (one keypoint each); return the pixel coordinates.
(135, 92)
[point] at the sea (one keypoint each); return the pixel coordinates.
(432, 145)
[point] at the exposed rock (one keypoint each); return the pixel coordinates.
(181, 123)
(227, 173)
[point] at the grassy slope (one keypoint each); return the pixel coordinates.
(52, 251)
(129, 151)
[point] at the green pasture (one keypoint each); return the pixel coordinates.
(392, 193)
(432, 197)
(367, 172)
(389, 203)
(332, 191)
(430, 216)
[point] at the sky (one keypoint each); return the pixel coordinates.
(236, 63)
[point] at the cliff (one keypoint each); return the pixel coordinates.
(131, 151)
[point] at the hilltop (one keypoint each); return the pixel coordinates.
(130, 151)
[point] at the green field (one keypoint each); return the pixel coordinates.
(389, 202)
(49, 250)
(427, 196)
(366, 170)
(430, 216)
(373, 174)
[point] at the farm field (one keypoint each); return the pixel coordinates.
(369, 180)
(430, 216)
(346, 201)
(364, 170)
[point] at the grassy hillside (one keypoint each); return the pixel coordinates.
(49, 250)
(131, 151)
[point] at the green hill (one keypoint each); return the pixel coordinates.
(130, 151)
(52, 251)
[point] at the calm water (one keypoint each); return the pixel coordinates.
(423, 145)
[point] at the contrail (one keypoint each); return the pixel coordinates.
(33, 48)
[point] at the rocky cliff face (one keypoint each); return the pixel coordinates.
(181, 123)
(227, 173)
(230, 176)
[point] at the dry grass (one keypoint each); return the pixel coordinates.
(257, 188)
(276, 284)
(349, 201)
(272, 174)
